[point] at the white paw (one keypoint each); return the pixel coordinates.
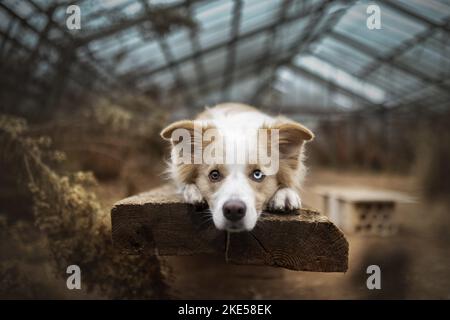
(285, 199)
(191, 194)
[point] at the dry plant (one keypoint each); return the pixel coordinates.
(73, 221)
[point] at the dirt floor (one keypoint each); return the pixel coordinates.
(415, 263)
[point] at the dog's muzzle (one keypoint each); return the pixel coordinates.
(234, 211)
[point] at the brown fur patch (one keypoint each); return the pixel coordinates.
(187, 173)
(292, 137)
(263, 190)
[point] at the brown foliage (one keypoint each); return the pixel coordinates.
(71, 218)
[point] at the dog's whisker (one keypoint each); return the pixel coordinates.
(234, 184)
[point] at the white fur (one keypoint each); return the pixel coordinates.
(235, 187)
(192, 194)
(285, 198)
(233, 127)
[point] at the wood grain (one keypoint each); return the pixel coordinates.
(159, 222)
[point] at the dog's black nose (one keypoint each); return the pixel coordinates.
(234, 210)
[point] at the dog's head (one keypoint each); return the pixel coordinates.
(221, 162)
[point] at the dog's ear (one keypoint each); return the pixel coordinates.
(293, 132)
(166, 133)
(291, 136)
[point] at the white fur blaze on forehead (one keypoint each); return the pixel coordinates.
(235, 186)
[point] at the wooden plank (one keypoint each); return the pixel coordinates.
(158, 222)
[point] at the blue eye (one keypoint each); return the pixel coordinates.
(257, 175)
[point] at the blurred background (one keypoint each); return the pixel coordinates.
(81, 107)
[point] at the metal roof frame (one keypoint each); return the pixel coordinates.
(271, 59)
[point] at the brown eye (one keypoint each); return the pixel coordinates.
(257, 175)
(214, 176)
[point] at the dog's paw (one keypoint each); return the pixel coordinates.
(285, 199)
(191, 194)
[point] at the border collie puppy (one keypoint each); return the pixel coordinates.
(240, 161)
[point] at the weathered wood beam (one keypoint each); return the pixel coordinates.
(159, 222)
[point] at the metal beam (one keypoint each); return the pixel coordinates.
(303, 42)
(398, 51)
(274, 31)
(332, 62)
(231, 56)
(176, 74)
(138, 46)
(5, 38)
(385, 86)
(58, 46)
(395, 64)
(23, 22)
(42, 34)
(94, 63)
(168, 56)
(126, 24)
(413, 15)
(304, 72)
(268, 54)
(200, 71)
(138, 73)
(214, 85)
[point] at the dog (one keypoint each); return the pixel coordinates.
(238, 191)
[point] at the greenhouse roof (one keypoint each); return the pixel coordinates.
(285, 53)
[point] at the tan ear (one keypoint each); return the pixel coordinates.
(292, 136)
(166, 133)
(293, 132)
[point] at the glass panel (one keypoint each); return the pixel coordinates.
(350, 59)
(429, 62)
(188, 74)
(22, 8)
(253, 47)
(394, 28)
(5, 19)
(179, 44)
(303, 91)
(288, 35)
(436, 10)
(214, 63)
(209, 17)
(257, 14)
(395, 80)
(149, 56)
(208, 38)
(162, 80)
(243, 88)
(341, 78)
